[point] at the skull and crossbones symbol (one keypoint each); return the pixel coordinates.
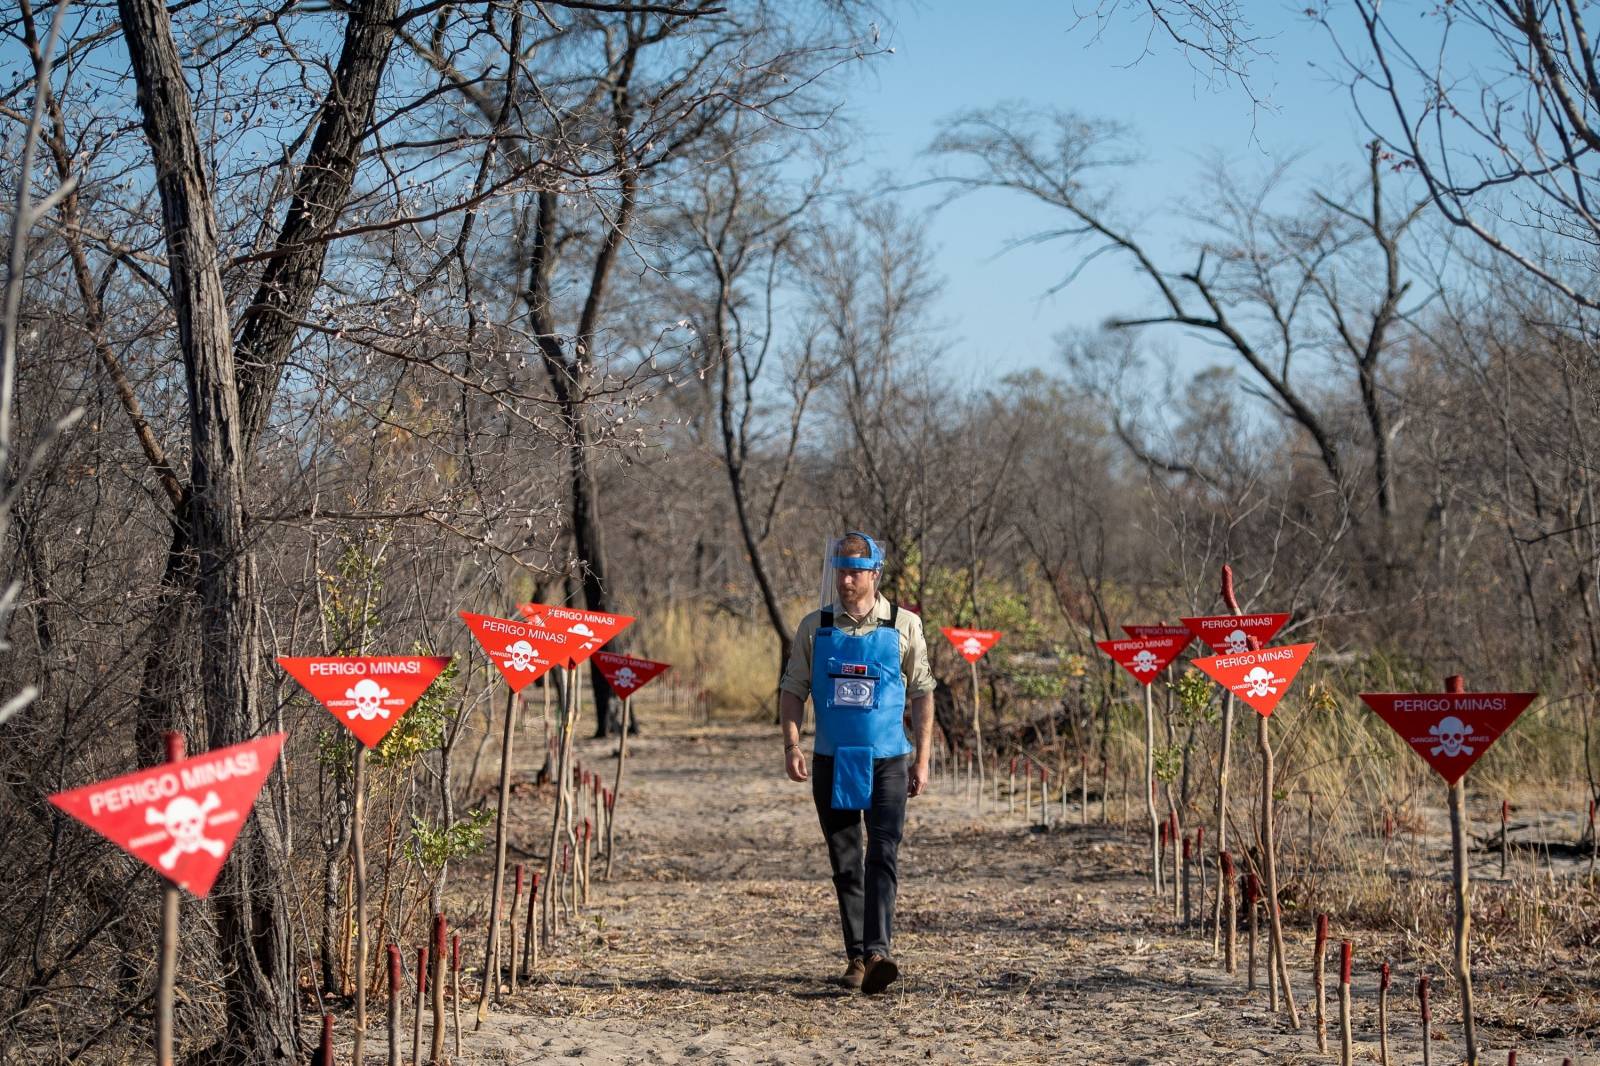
(970, 647)
(1145, 662)
(519, 656)
(185, 822)
(626, 677)
(581, 629)
(1452, 736)
(1259, 682)
(1236, 643)
(369, 697)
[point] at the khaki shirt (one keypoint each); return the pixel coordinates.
(914, 669)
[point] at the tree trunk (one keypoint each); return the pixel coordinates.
(251, 910)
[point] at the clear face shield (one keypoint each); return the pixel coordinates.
(834, 560)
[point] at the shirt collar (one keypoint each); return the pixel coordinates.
(879, 609)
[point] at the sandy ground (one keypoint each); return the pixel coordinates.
(714, 942)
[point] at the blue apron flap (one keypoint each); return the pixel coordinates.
(852, 779)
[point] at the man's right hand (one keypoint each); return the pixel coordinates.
(796, 764)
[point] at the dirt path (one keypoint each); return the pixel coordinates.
(713, 943)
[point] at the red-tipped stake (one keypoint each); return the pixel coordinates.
(455, 989)
(1346, 1046)
(1252, 893)
(1200, 861)
(516, 907)
(1427, 1020)
(530, 946)
(1511, 1059)
(422, 992)
(395, 984)
(1230, 925)
(436, 1050)
(1027, 787)
(1383, 1015)
(324, 1055)
(1319, 981)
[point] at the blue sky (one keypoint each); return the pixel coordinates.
(954, 56)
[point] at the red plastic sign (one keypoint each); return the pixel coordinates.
(625, 674)
(1145, 657)
(587, 630)
(367, 694)
(1163, 630)
(1229, 634)
(972, 643)
(1260, 678)
(180, 818)
(522, 652)
(1449, 730)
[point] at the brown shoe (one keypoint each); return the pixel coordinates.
(881, 972)
(852, 974)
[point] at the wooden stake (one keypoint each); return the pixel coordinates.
(325, 1049)
(455, 989)
(1231, 925)
(491, 955)
(1252, 895)
(1320, 983)
(1027, 778)
(1346, 1045)
(436, 1051)
(1463, 923)
(416, 1015)
(1269, 842)
(1594, 843)
(1012, 787)
(530, 940)
(1427, 1020)
(1383, 1015)
(588, 833)
(516, 908)
(167, 964)
(1083, 788)
(1177, 875)
(394, 1004)
(358, 869)
(1044, 796)
(1220, 812)
(1188, 884)
(1150, 790)
(1505, 818)
(1200, 861)
(977, 731)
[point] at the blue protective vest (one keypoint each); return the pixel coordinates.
(860, 700)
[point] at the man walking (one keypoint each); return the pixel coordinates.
(860, 659)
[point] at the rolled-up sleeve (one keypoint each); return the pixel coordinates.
(797, 671)
(914, 660)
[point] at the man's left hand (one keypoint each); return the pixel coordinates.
(917, 780)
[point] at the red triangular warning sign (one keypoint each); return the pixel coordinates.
(588, 630)
(521, 651)
(973, 644)
(1162, 630)
(180, 818)
(1146, 657)
(625, 674)
(368, 694)
(1449, 730)
(1229, 634)
(1259, 678)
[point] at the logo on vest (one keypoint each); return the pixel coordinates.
(849, 692)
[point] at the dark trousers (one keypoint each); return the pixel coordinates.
(865, 878)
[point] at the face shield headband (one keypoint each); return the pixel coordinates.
(873, 560)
